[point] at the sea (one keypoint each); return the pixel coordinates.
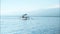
(34, 25)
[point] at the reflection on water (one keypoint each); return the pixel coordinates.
(35, 25)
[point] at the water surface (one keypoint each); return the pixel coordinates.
(35, 25)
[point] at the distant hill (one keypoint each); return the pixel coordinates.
(46, 12)
(43, 12)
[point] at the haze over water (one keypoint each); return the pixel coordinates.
(44, 17)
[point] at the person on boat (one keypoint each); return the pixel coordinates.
(24, 17)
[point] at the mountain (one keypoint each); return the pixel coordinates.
(46, 12)
(43, 12)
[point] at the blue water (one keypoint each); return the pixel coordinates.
(35, 25)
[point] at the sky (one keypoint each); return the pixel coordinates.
(13, 7)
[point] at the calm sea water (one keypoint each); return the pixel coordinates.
(34, 25)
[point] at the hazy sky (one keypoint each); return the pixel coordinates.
(11, 7)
